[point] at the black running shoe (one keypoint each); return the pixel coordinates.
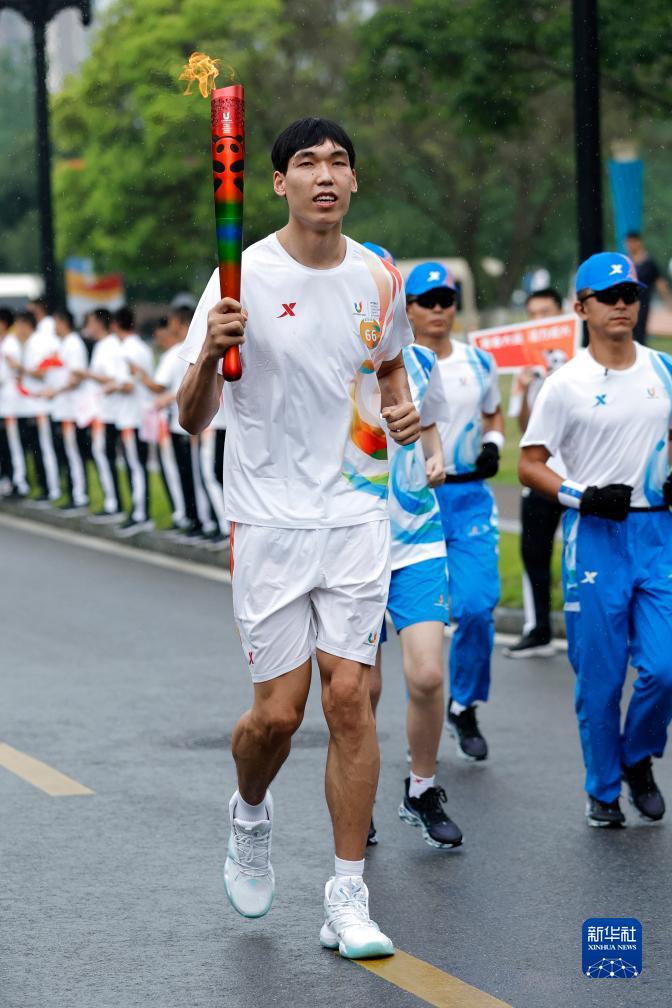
(427, 812)
(531, 645)
(599, 813)
(372, 838)
(464, 727)
(644, 792)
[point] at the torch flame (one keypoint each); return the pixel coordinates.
(202, 69)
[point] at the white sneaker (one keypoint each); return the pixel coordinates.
(348, 926)
(248, 875)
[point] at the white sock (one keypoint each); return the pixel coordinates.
(456, 708)
(250, 813)
(344, 868)
(418, 785)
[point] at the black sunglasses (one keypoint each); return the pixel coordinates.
(444, 299)
(627, 293)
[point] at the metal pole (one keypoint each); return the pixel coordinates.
(44, 161)
(587, 126)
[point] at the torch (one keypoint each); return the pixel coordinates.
(227, 116)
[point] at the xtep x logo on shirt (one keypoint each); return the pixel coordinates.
(600, 400)
(288, 309)
(589, 577)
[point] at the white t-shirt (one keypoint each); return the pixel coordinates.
(130, 406)
(610, 426)
(7, 392)
(170, 371)
(515, 406)
(104, 361)
(469, 377)
(12, 398)
(298, 451)
(72, 354)
(415, 518)
(37, 352)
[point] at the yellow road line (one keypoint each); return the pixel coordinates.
(39, 774)
(428, 983)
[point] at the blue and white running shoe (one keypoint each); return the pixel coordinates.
(347, 926)
(248, 874)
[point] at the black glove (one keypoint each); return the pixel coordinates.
(487, 462)
(667, 491)
(612, 501)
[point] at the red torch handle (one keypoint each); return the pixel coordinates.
(228, 172)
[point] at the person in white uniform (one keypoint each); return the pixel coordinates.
(320, 317)
(63, 390)
(131, 399)
(101, 373)
(608, 412)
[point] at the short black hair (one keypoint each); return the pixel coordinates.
(634, 234)
(125, 318)
(545, 292)
(160, 323)
(66, 316)
(309, 132)
(182, 313)
(28, 317)
(7, 316)
(103, 315)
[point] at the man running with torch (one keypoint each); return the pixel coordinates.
(306, 484)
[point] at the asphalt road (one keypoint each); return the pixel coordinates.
(129, 677)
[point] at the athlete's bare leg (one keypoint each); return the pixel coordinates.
(263, 736)
(422, 655)
(375, 682)
(353, 759)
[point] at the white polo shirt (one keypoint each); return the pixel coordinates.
(470, 384)
(609, 426)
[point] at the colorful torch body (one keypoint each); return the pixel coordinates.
(228, 173)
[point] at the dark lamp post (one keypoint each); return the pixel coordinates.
(39, 13)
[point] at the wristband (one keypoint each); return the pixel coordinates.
(570, 494)
(494, 437)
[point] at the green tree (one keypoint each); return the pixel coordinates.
(142, 202)
(19, 249)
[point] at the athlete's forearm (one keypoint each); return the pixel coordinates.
(431, 442)
(198, 396)
(534, 473)
(393, 382)
(493, 421)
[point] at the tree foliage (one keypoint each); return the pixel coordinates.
(461, 111)
(19, 248)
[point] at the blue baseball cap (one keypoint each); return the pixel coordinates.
(381, 252)
(604, 270)
(427, 276)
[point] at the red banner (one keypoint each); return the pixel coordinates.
(536, 344)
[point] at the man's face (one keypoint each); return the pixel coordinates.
(607, 321)
(318, 185)
(22, 330)
(162, 336)
(61, 326)
(634, 247)
(432, 322)
(94, 328)
(541, 307)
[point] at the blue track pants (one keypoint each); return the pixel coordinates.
(617, 580)
(469, 518)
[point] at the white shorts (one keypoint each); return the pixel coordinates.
(295, 590)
